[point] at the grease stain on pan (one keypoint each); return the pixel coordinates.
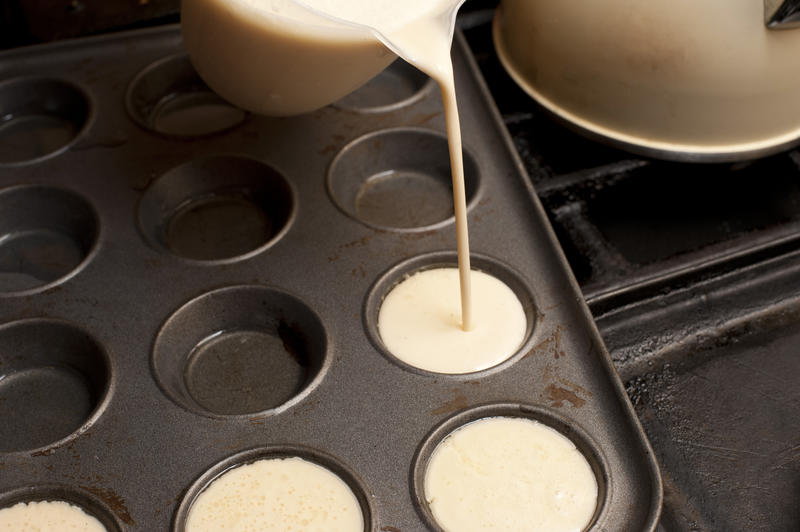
(557, 395)
(458, 402)
(114, 501)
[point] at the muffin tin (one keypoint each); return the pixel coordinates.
(185, 287)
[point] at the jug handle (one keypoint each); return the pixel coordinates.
(782, 14)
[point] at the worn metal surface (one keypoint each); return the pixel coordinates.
(161, 274)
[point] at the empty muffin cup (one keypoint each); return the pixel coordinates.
(168, 97)
(399, 179)
(53, 383)
(397, 86)
(240, 350)
(46, 234)
(217, 209)
(412, 316)
(519, 464)
(55, 507)
(39, 117)
(280, 487)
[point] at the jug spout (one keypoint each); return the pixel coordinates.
(782, 14)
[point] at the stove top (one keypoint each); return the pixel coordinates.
(692, 273)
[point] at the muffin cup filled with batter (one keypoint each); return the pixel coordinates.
(276, 489)
(413, 315)
(509, 467)
(55, 507)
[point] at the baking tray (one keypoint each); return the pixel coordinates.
(171, 217)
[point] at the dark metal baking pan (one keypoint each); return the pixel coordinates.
(181, 224)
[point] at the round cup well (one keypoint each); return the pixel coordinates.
(54, 380)
(217, 209)
(83, 499)
(397, 86)
(240, 350)
(39, 117)
(46, 233)
(168, 97)
(566, 427)
(399, 179)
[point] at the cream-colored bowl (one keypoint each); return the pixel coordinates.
(677, 79)
(274, 63)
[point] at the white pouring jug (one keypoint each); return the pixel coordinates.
(282, 57)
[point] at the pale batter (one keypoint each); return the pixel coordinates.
(510, 474)
(47, 516)
(419, 322)
(277, 495)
